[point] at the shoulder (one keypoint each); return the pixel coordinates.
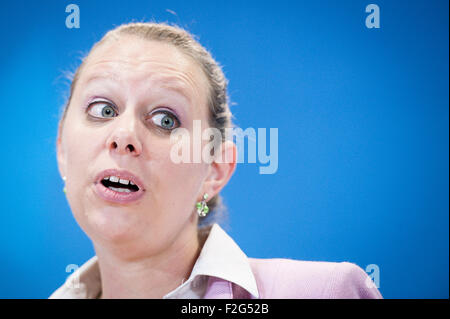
(287, 278)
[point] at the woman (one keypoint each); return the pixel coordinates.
(149, 216)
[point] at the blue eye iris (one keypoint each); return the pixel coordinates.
(102, 110)
(165, 120)
(108, 111)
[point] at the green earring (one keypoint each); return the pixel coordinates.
(202, 208)
(64, 189)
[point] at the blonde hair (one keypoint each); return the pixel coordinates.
(218, 100)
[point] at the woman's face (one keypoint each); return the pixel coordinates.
(130, 95)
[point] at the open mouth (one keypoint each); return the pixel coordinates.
(119, 185)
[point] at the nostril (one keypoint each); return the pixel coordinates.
(130, 148)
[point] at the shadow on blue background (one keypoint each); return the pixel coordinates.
(362, 118)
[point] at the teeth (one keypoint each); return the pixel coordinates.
(114, 179)
(124, 181)
(120, 190)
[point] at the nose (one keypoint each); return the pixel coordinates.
(124, 141)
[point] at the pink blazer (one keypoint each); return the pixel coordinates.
(286, 279)
(223, 271)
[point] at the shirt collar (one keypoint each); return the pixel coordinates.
(84, 283)
(220, 257)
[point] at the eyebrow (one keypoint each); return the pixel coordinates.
(177, 87)
(104, 76)
(168, 83)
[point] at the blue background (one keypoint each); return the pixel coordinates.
(362, 118)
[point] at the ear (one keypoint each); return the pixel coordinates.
(221, 169)
(60, 155)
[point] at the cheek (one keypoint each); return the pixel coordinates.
(172, 172)
(174, 180)
(83, 146)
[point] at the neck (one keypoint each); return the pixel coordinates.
(147, 276)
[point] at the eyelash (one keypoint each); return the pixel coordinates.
(151, 115)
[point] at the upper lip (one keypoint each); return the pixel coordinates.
(123, 174)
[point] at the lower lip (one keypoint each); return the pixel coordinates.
(117, 197)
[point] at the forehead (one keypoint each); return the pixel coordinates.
(139, 61)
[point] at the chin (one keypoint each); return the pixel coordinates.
(112, 224)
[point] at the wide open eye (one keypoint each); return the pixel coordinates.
(101, 110)
(165, 120)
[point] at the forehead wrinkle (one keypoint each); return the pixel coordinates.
(102, 77)
(101, 74)
(173, 83)
(129, 52)
(170, 76)
(180, 81)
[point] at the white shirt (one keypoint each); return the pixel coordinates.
(220, 257)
